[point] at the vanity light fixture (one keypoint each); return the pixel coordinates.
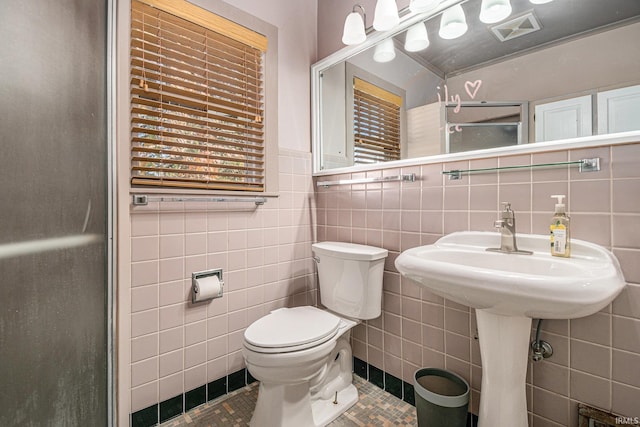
(384, 51)
(354, 31)
(417, 38)
(453, 23)
(492, 11)
(386, 15)
(419, 6)
(540, 1)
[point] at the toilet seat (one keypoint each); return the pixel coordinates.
(291, 329)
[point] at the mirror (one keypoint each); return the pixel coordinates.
(547, 72)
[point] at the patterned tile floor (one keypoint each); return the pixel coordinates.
(375, 408)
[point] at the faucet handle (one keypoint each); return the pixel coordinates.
(507, 214)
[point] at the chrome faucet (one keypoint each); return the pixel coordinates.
(507, 226)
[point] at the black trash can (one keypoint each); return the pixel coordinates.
(442, 398)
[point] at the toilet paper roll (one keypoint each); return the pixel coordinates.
(206, 288)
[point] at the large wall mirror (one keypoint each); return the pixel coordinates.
(548, 72)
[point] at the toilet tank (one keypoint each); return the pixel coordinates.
(350, 278)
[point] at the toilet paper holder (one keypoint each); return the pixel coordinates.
(198, 276)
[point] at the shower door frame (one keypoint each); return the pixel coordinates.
(111, 61)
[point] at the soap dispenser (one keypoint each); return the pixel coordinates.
(560, 229)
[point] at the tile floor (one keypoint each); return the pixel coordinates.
(375, 408)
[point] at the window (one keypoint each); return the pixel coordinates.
(376, 123)
(197, 107)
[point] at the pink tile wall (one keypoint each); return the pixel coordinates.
(265, 256)
(596, 357)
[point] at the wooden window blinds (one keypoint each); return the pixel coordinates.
(196, 99)
(376, 123)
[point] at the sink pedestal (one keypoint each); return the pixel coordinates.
(504, 348)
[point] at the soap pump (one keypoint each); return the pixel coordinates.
(560, 229)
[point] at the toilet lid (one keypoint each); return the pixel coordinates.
(292, 329)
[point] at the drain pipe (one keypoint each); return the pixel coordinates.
(540, 349)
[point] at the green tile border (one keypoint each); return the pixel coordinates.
(171, 408)
(177, 405)
(216, 388)
(195, 397)
(167, 409)
(145, 417)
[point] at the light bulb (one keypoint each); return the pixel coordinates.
(384, 51)
(419, 6)
(354, 32)
(453, 23)
(386, 15)
(492, 11)
(417, 38)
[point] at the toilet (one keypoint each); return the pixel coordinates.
(302, 355)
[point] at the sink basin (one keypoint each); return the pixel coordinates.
(459, 268)
(507, 291)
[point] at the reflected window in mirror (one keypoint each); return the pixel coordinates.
(376, 123)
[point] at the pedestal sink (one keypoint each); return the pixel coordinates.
(507, 291)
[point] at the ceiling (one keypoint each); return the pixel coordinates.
(560, 20)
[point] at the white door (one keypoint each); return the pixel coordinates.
(619, 110)
(569, 118)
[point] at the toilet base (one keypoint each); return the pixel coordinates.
(325, 411)
(298, 410)
(281, 405)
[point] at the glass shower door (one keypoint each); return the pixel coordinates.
(53, 213)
